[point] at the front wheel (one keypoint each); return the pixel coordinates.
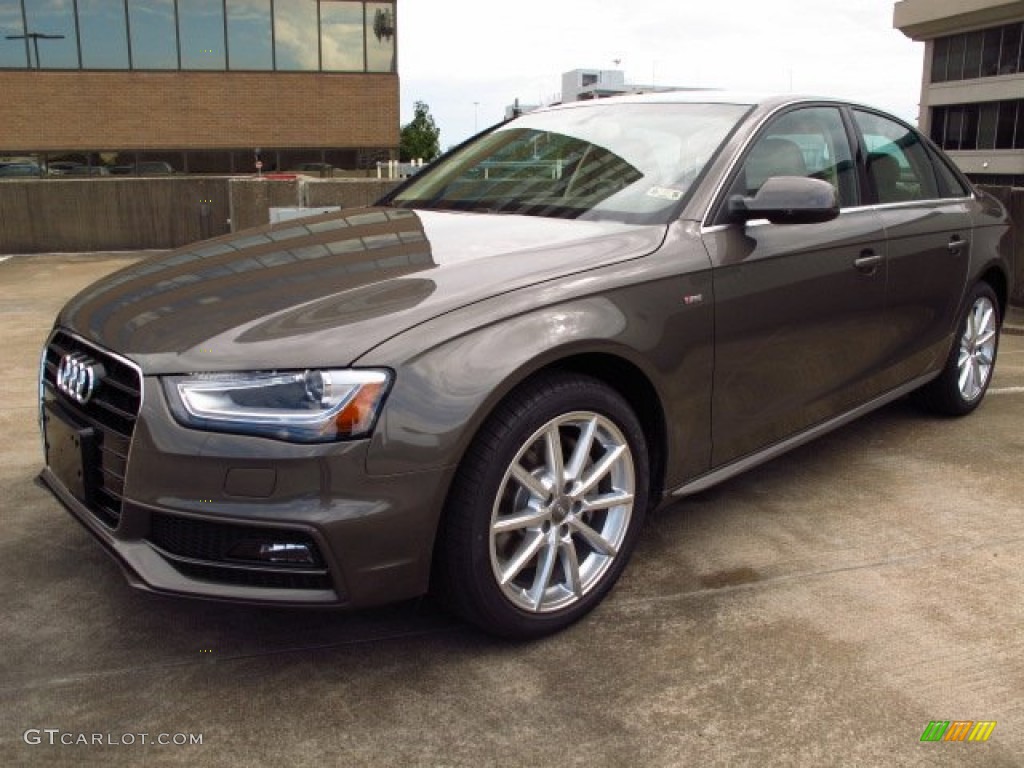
(961, 386)
(545, 508)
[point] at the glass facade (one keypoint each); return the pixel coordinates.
(984, 53)
(219, 35)
(983, 125)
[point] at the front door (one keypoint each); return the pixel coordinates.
(798, 308)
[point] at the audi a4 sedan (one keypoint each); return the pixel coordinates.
(480, 386)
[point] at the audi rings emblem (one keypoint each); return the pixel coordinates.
(78, 376)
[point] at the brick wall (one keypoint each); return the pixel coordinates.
(196, 110)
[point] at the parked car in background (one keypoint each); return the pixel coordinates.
(323, 170)
(87, 170)
(20, 170)
(483, 384)
(61, 167)
(146, 168)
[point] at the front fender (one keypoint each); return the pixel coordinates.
(452, 371)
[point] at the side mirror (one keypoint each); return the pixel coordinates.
(788, 200)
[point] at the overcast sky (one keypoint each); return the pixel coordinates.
(468, 59)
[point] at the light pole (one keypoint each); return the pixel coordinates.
(35, 37)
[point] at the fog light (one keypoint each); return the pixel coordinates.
(277, 552)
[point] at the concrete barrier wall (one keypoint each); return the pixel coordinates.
(110, 214)
(252, 199)
(79, 215)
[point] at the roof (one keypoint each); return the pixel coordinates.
(709, 96)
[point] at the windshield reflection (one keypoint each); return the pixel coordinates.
(627, 161)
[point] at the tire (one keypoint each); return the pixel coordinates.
(964, 380)
(521, 555)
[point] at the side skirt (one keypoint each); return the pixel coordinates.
(716, 476)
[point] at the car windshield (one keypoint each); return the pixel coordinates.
(627, 161)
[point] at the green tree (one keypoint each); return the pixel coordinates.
(421, 136)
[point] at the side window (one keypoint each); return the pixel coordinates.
(809, 142)
(950, 184)
(899, 167)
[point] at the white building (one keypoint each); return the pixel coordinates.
(584, 84)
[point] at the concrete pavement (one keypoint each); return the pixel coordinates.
(820, 610)
(1013, 323)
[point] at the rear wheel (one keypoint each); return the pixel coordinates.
(961, 386)
(545, 508)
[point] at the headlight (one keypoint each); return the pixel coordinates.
(301, 406)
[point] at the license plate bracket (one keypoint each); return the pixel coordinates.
(71, 452)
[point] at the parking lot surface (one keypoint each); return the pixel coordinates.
(820, 610)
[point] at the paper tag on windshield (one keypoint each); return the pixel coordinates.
(665, 193)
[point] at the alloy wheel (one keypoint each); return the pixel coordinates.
(977, 349)
(562, 512)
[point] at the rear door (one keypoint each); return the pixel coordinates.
(927, 214)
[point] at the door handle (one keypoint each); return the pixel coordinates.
(955, 243)
(868, 261)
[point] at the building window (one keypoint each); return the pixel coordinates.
(201, 31)
(974, 47)
(296, 44)
(990, 52)
(154, 34)
(13, 49)
(985, 125)
(983, 53)
(249, 35)
(940, 58)
(380, 37)
(988, 118)
(341, 37)
(1009, 53)
(1007, 125)
(955, 65)
(52, 35)
(103, 30)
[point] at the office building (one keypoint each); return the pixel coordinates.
(209, 86)
(972, 90)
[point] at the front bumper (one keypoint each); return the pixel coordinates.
(195, 505)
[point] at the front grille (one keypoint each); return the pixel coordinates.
(203, 550)
(111, 412)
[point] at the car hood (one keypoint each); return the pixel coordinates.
(324, 290)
